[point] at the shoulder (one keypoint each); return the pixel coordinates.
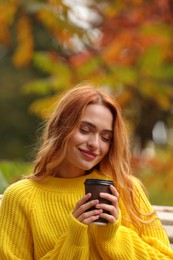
(19, 186)
(138, 187)
(140, 195)
(18, 191)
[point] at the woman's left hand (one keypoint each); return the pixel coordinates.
(113, 208)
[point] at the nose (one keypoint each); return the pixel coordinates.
(93, 142)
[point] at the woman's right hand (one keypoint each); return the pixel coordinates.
(80, 212)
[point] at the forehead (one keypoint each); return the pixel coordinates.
(99, 115)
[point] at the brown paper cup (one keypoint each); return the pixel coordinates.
(95, 186)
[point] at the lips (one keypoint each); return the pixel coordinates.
(88, 154)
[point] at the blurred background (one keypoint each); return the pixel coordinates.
(124, 46)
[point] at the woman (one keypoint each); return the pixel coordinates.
(47, 216)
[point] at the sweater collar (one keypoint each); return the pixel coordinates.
(67, 184)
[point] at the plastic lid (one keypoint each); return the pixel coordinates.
(98, 181)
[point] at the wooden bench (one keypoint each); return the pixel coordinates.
(165, 213)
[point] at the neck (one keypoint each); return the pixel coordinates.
(68, 172)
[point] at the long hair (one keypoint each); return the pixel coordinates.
(65, 121)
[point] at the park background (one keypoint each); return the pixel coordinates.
(125, 46)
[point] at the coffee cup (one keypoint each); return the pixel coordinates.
(95, 186)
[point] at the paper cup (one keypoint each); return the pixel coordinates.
(95, 186)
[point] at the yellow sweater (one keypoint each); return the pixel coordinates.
(36, 222)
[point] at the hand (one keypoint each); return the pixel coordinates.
(80, 212)
(113, 209)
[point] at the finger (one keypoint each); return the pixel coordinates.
(109, 208)
(81, 208)
(114, 191)
(83, 200)
(110, 218)
(112, 198)
(89, 220)
(89, 216)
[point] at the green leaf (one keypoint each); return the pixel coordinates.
(40, 87)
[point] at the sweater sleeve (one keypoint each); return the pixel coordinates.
(72, 245)
(16, 240)
(120, 242)
(15, 234)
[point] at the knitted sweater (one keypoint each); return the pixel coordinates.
(36, 222)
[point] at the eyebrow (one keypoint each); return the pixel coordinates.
(94, 126)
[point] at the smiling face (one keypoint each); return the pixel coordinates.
(90, 142)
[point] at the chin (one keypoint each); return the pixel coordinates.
(87, 168)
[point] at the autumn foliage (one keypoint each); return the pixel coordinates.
(124, 45)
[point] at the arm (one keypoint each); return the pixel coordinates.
(72, 245)
(120, 242)
(16, 240)
(15, 234)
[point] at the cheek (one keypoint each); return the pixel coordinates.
(76, 139)
(105, 148)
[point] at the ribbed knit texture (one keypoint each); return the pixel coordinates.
(36, 222)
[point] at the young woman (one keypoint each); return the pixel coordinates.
(46, 215)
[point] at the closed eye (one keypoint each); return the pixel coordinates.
(107, 137)
(84, 129)
(87, 127)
